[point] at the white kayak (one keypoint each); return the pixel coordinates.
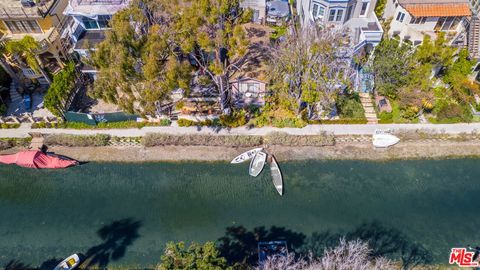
(257, 163)
(69, 263)
(277, 178)
(246, 156)
(384, 140)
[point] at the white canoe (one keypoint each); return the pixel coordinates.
(384, 140)
(277, 178)
(246, 156)
(257, 163)
(69, 263)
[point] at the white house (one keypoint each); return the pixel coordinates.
(90, 19)
(259, 8)
(356, 15)
(412, 19)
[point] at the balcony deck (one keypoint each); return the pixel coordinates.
(13, 9)
(94, 7)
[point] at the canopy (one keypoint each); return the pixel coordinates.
(36, 159)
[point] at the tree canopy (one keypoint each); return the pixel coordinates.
(178, 256)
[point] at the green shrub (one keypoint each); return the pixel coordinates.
(236, 119)
(339, 121)
(454, 113)
(77, 140)
(9, 125)
(159, 139)
(182, 122)
(349, 106)
(3, 109)
(281, 138)
(113, 125)
(385, 118)
(6, 143)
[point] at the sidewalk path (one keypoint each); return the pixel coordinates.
(25, 129)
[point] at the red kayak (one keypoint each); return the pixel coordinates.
(37, 160)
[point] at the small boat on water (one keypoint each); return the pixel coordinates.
(257, 164)
(37, 160)
(246, 156)
(277, 178)
(69, 263)
(382, 139)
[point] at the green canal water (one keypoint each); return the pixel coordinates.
(123, 214)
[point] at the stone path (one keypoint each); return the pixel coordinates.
(367, 104)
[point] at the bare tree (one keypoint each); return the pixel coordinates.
(352, 255)
(311, 66)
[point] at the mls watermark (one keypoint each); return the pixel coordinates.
(465, 257)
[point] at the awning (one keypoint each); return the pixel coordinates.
(439, 10)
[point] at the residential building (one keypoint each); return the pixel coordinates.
(89, 21)
(474, 30)
(356, 15)
(248, 91)
(412, 19)
(42, 20)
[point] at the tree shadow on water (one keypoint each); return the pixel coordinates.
(239, 245)
(116, 237)
(46, 265)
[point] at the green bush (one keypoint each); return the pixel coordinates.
(454, 113)
(158, 139)
(349, 106)
(339, 121)
(182, 122)
(113, 125)
(9, 126)
(236, 119)
(77, 140)
(3, 109)
(385, 118)
(6, 143)
(281, 138)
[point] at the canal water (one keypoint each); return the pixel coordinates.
(123, 214)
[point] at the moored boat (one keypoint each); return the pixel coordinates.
(383, 139)
(37, 160)
(246, 156)
(277, 178)
(257, 164)
(69, 263)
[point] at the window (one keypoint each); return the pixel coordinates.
(335, 15)
(418, 20)
(104, 20)
(318, 11)
(89, 23)
(363, 11)
(17, 27)
(400, 16)
(447, 23)
(349, 13)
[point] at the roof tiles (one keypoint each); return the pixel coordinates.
(439, 10)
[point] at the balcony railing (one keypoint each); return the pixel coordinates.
(99, 2)
(21, 12)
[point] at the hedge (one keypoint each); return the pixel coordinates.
(109, 125)
(6, 143)
(281, 138)
(77, 140)
(9, 126)
(339, 121)
(158, 139)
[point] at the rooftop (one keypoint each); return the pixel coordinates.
(439, 10)
(89, 39)
(17, 9)
(94, 7)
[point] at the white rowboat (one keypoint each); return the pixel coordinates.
(246, 156)
(384, 140)
(257, 163)
(69, 263)
(277, 178)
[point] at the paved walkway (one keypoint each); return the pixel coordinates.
(25, 129)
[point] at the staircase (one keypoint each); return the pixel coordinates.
(367, 104)
(474, 37)
(14, 95)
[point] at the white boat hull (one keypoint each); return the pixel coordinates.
(384, 140)
(246, 156)
(257, 164)
(69, 263)
(277, 178)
